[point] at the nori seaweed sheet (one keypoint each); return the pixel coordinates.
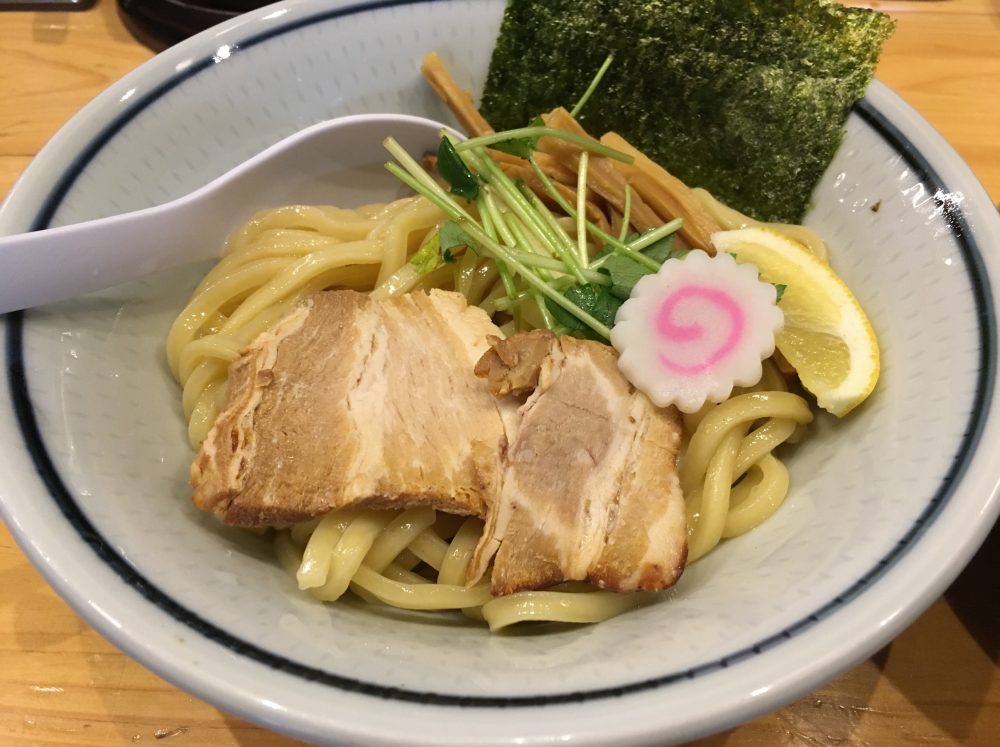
(746, 99)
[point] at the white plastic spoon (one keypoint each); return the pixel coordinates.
(334, 162)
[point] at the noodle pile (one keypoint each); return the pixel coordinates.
(277, 259)
(417, 558)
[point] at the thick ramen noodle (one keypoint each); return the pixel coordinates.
(417, 558)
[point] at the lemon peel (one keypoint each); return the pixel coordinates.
(827, 336)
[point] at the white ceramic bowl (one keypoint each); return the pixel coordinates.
(887, 506)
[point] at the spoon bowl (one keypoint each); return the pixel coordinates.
(338, 161)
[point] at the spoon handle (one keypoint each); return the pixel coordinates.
(58, 263)
(330, 163)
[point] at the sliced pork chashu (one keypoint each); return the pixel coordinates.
(590, 489)
(350, 401)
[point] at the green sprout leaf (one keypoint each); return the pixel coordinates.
(663, 250)
(451, 166)
(625, 272)
(428, 256)
(596, 300)
(451, 239)
(442, 246)
(522, 147)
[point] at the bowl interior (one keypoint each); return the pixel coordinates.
(109, 416)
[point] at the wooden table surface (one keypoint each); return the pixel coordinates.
(938, 683)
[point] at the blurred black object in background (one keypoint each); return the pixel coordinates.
(160, 23)
(45, 4)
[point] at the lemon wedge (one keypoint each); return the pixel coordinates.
(826, 337)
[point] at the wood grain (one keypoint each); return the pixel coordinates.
(937, 684)
(944, 59)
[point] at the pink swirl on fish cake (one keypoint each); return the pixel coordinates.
(672, 332)
(694, 330)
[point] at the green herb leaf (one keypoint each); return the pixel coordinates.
(428, 256)
(779, 291)
(441, 247)
(596, 300)
(451, 166)
(663, 250)
(452, 238)
(521, 147)
(625, 272)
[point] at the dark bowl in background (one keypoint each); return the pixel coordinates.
(162, 23)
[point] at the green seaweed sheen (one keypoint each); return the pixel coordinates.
(745, 99)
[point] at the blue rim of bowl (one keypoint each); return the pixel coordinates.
(50, 477)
